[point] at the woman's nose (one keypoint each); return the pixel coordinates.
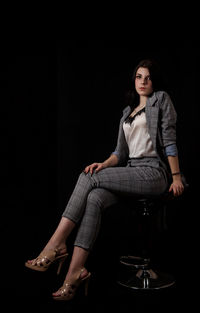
(144, 81)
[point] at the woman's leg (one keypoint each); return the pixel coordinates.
(58, 239)
(97, 200)
(125, 180)
(75, 207)
(90, 195)
(119, 180)
(77, 263)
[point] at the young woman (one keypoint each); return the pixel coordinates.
(145, 162)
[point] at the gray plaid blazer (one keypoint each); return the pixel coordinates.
(161, 122)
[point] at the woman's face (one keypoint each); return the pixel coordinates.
(143, 83)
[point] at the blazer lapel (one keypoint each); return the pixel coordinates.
(126, 113)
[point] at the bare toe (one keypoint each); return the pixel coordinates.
(30, 261)
(56, 293)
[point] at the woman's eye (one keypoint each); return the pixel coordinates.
(146, 78)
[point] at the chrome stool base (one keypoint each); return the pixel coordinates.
(136, 272)
(145, 279)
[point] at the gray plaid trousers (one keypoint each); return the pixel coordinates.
(93, 193)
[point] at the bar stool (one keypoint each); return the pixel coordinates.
(138, 273)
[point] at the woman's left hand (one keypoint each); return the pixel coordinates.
(177, 187)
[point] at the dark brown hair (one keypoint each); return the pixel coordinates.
(132, 97)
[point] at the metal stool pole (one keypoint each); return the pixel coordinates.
(140, 275)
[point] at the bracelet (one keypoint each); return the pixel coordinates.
(177, 173)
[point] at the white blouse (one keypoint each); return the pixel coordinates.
(138, 138)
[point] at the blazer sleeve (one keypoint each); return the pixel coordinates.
(121, 150)
(168, 121)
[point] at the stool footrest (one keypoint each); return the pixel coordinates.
(134, 261)
(146, 279)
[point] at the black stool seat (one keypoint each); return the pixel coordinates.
(137, 272)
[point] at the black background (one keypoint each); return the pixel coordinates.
(61, 101)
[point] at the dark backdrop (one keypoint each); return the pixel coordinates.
(61, 102)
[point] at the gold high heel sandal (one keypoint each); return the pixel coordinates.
(69, 288)
(45, 259)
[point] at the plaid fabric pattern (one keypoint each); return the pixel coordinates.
(93, 193)
(142, 177)
(161, 122)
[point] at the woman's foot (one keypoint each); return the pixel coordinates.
(71, 283)
(59, 249)
(49, 255)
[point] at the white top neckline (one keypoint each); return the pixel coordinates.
(138, 138)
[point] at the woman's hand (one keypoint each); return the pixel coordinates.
(177, 187)
(94, 166)
(111, 161)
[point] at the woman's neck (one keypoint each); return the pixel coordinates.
(143, 100)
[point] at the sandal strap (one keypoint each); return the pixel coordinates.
(48, 255)
(68, 288)
(76, 282)
(73, 285)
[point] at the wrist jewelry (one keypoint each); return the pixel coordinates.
(177, 173)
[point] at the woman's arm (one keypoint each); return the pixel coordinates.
(177, 185)
(111, 161)
(168, 134)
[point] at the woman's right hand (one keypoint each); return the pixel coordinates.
(94, 167)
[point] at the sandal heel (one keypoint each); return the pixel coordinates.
(87, 285)
(62, 260)
(69, 288)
